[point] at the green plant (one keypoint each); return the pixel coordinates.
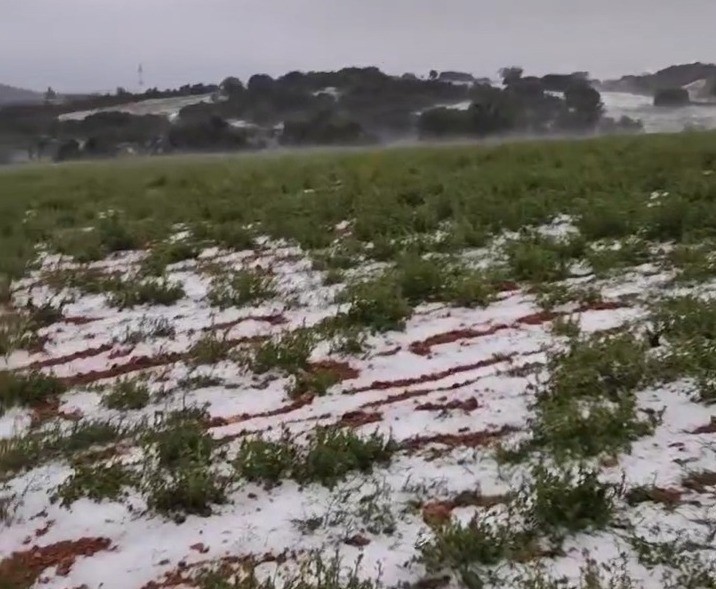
(96, 482)
(535, 258)
(148, 328)
(181, 438)
(314, 382)
(569, 500)
(22, 389)
(242, 288)
(210, 349)
(378, 305)
(127, 394)
(288, 352)
(125, 294)
(599, 365)
(332, 453)
(566, 326)
(166, 254)
(15, 334)
(188, 488)
(265, 461)
(481, 542)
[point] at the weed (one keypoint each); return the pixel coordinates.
(242, 288)
(84, 435)
(600, 365)
(188, 488)
(181, 438)
(210, 349)
(332, 453)
(333, 276)
(622, 254)
(115, 235)
(685, 318)
(551, 295)
(569, 501)
(566, 327)
(350, 340)
(378, 305)
(482, 541)
(126, 294)
(18, 453)
(199, 381)
(313, 382)
(15, 333)
(693, 262)
(587, 407)
(148, 328)
(166, 254)
(573, 428)
(687, 569)
(288, 352)
(265, 461)
(182, 481)
(315, 572)
(94, 482)
(229, 235)
(127, 394)
(534, 258)
(469, 289)
(23, 389)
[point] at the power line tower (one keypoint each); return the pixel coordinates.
(140, 74)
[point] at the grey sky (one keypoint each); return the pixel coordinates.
(97, 44)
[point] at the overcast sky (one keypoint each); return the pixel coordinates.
(97, 44)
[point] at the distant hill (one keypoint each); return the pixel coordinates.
(12, 95)
(675, 76)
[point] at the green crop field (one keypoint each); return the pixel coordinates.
(458, 366)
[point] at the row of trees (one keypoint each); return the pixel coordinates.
(349, 106)
(551, 104)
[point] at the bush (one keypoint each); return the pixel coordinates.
(23, 389)
(672, 97)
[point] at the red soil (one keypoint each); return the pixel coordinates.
(296, 404)
(439, 512)
(406, 382)
(467, 405)
(468, 439)
(709, 428)
(22, 569)
(340, 370)
(359, 418)
(134, 365)
(423, 348)
(88, 353)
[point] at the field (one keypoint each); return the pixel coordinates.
(406, 368)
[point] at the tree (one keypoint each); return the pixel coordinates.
(584, 108)
(672, 97)
(260, 83)
(232, 87)
(50, 95)
(511, 74)
(433, 75)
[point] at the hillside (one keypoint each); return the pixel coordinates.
(675, 76)
(12, 95)
(408, 368)
(348, 107)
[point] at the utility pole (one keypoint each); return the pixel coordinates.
(140, 72)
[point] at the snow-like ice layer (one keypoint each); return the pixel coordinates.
(151, 106)
(392, 380)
